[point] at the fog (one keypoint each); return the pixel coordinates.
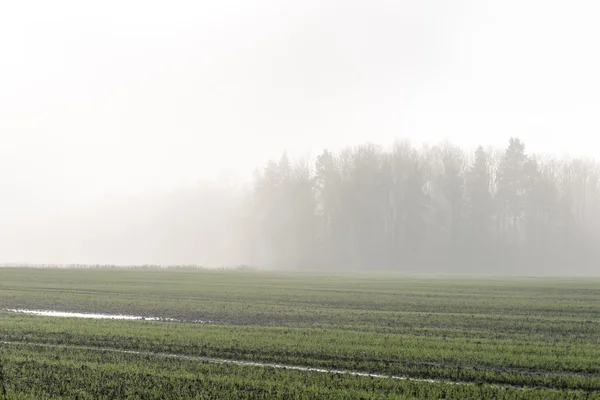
(141, 132)
(191, 225)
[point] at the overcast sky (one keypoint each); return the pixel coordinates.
(109, 97)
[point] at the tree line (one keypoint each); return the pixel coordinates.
(436, 208)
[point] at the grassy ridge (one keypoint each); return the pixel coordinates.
(525, 332)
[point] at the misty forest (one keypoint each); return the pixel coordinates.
(437, 208)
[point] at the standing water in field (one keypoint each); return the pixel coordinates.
(49, 313)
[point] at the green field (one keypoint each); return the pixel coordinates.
(451, 337)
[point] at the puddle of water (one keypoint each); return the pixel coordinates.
(49, 313)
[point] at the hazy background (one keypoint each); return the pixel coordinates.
(111, 113)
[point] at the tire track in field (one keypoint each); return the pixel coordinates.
(215, 360)
(522, 371)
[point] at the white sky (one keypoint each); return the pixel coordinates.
(106, 97)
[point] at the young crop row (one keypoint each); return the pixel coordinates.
(85, 374)
(485, 333)
(456, 324)
(492, 362)
(492, 308)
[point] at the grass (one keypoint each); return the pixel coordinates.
(2, 384)
(500, 337)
